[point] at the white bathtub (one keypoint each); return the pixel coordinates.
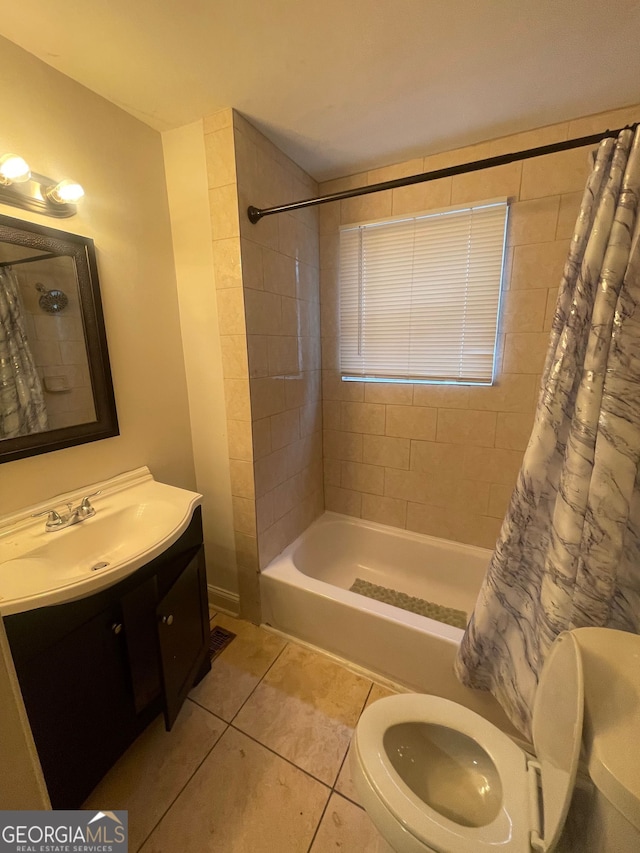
(305, 593)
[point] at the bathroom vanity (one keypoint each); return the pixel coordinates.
(95, 669)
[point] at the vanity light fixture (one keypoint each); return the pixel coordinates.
(13, 170)
(65, 192)
(20, 187)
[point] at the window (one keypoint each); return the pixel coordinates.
(419, 296)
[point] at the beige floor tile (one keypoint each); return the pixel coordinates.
(238, 669)
(153, 771)
(349, 828)
(345, 784)
(305, 709)
(243, 799)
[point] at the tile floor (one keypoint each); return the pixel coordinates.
(256, 760)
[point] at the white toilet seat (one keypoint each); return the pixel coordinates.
(510, 829)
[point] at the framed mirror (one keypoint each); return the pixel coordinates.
(55, 381)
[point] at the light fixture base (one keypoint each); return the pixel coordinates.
(31, 195)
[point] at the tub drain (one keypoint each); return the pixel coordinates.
(99, 566)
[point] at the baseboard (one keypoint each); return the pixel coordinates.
(222, 599)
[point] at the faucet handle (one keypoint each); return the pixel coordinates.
(54, 517)
(85, 508)
(86, 503)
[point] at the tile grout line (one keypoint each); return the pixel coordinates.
(283, 757)
(333, 787)
(333, 791)
(249, 695)
(204, 758)
(180, 792)
(258, 683)
(342, 763)
(330, 788)
(204, 708)
(273, 751)
(320, 819)
(227, 725)
(348, 799)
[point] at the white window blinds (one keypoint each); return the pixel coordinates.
(419, 295)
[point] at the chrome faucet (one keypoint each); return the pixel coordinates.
(74, 515)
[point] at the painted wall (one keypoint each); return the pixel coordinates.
(188, 191)
(443, 460)
(63, 129)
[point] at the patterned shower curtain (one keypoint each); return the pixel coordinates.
(22, 407)
(568, 554)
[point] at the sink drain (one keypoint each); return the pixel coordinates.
(99, 566)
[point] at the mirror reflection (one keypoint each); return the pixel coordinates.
(44, 368)
(55, 383)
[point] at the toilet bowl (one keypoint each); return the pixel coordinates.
(435, 776)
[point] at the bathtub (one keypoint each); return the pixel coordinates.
(305, 593)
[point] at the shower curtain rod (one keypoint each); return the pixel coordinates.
(28, 260)
(255, 214)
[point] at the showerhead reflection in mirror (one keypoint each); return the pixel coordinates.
(52, 301)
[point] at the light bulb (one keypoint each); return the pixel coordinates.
(13, 169)
(65, 192)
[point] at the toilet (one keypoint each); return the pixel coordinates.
(435, 776)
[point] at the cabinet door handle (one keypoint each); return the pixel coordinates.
(167, 620)
(117, 628)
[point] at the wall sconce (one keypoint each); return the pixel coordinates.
(13, 170)
(21, 187)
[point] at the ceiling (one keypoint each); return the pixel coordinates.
(345, 85)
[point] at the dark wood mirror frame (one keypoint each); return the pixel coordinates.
(82, 252)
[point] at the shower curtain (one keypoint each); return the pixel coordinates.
(22, 407)
(568, 553)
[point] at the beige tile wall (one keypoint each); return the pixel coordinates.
(280, 268)
(443, 460)
(188, 194)
(267, 280)
(225, 230)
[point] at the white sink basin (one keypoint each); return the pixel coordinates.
(136, 520)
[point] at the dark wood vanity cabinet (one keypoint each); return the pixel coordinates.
(95, 672)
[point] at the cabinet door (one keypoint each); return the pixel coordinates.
(80, 706)
(183, 634)
(139, 619)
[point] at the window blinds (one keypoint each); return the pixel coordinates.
(419, 296)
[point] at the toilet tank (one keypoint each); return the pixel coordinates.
(611, 734)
